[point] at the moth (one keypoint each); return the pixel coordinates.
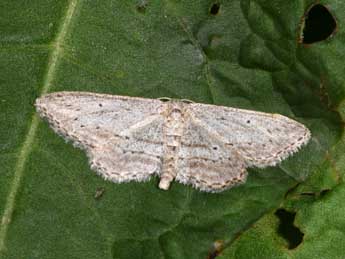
(206, 146)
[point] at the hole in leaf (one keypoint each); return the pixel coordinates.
(319, 24)
(215, 9)
(287, 229)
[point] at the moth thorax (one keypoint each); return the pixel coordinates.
(175, 110)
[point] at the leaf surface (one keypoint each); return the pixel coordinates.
(244, 55)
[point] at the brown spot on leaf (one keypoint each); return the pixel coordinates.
(99, 192)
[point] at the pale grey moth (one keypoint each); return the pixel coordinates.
(207, 146)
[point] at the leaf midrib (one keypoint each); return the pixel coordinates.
(30, 136)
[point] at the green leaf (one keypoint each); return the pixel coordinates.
(318, 208)
(246, 55)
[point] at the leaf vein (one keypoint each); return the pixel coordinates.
(30, 137)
